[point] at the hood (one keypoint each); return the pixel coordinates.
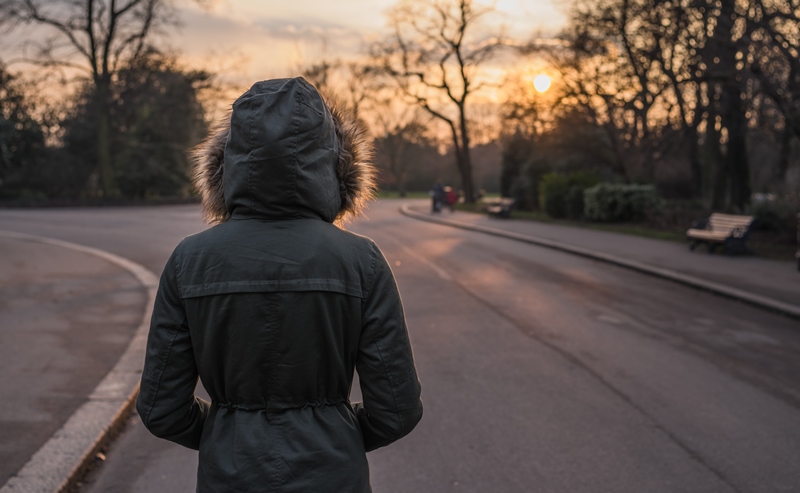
(285, 153)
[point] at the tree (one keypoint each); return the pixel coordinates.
(348, 84)
(660, 76)
(399, 136)
(774, 54)
(727, 82)
(624, 62)
(97, 37)
(155, 118)
(21, 136)
(433, 57)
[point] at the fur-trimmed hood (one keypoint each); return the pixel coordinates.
(285, 153)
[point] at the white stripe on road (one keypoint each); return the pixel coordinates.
(438, 270)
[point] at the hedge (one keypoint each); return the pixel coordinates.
(561, 196)
(618, 202)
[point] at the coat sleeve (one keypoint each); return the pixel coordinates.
(391, 405)
(166, 402)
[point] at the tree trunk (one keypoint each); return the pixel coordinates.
(700, 175)
(785, 153)
(732, 109)
(716, 162)
(465, 162)
(736, 155)
(401, 184)
(695, 165)
(105, 167)
(465, 167)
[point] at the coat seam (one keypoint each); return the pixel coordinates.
(178, 271)
(296, 128)
(372, 272)
(250, 166)
(161, 375)
(322, 284)
(391, 385)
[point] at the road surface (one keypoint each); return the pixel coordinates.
(541, 371)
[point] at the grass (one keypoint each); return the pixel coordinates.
(761, 244)
(387, 194)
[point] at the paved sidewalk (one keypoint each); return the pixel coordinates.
(772, 279)
(66, 317)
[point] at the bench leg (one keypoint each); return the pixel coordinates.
(736, 246)
(711, 247)
(692, 245)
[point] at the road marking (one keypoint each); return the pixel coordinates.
(781, 307)
(438, 270)
(610, 319)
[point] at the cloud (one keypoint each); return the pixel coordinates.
(236, 25)
(272, 45)
(275, 38)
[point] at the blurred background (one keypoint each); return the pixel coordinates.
(693, 103)
(608, 126)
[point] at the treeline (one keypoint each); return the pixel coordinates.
(124, 131)
(154, 116)
(700, 97)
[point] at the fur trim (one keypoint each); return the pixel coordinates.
(208, 159)
(354, 168)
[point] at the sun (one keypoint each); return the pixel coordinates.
(542, 82)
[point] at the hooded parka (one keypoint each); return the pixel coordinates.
(275, 306)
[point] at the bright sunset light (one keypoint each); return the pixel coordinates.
(283, 197)
(542, 82)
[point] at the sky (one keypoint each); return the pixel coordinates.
(244, 41)
(263, 39)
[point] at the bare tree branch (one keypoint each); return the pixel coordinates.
(431, 62)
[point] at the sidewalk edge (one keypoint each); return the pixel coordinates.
(61, 461)
(764, 302)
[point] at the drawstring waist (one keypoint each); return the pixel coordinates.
(269, 406)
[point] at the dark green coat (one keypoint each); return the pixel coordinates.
(275, 306)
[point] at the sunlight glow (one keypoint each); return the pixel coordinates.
(542, 82)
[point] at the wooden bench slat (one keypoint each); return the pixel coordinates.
(717, 220)
(717, 225)
(728, 221)
(706, 235)
(499, 207)
(728, 229)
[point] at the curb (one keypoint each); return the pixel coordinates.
(759, 301)
(61, 461)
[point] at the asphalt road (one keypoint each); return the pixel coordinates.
(541, 371)
(66, 318)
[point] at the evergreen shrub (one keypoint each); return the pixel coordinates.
(561, 195)
(613, 202)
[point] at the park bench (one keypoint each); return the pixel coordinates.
(728, 230)
(499, 207)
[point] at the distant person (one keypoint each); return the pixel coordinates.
(437, 196)
(275, 306)
(451, 197)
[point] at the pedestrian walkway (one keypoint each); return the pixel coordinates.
(66, 317)
(767, 278)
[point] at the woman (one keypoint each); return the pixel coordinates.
(275, 306)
